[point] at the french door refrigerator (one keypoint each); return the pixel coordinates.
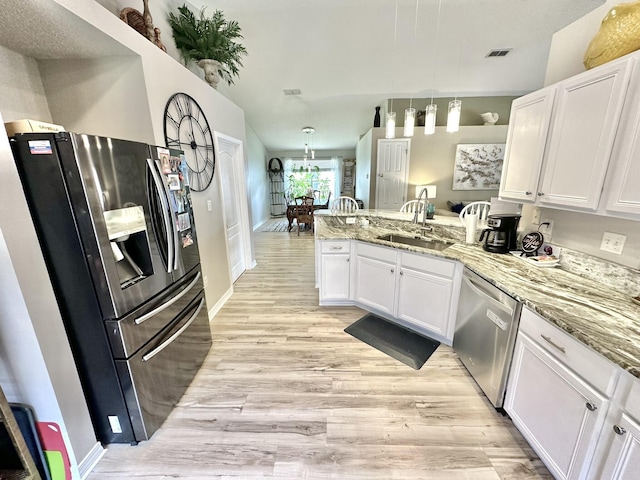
(116, 228)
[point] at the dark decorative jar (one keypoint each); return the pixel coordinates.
(376, 118)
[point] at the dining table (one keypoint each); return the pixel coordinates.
(291, 211)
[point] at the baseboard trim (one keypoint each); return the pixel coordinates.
(216, 308)
(88, 463)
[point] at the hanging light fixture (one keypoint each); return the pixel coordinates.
(390, 125)
(453, 118)
(410, 113)
(309, 131)
(432, 109)
(455, 105)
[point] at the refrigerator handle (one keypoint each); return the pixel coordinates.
(168, 341)
(165, 214)
(150, 314)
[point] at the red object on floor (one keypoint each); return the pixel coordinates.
(51, 440)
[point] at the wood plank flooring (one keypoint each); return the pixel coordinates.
(286, 394)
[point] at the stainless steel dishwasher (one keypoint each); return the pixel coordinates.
(486, 327)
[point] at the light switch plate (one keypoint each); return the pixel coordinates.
(613, 242)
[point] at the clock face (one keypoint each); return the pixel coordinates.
(186, 128)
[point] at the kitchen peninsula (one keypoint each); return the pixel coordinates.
(602, 318)
(573, 389)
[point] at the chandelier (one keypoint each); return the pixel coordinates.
(308, 144)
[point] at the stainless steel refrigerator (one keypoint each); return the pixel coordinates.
(115, 224)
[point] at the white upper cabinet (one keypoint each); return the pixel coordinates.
(623, 178)
(585, 121)
(526, 138)
(561, 139)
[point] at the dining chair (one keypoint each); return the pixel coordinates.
(344, 205)
(304, 215)
(412, 205)
(481, 208)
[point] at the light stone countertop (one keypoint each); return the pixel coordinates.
(602, 318)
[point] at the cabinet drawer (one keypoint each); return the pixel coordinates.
(588, 364)
(342, 246)
(446, 268)
(383, 254)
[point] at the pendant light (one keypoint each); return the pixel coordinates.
(390, 131)
(410, 113)
(453, 117)
(432, 109)
(308, 131)
(455, 105)
(409, 121)
(390, 126)
(430, 118)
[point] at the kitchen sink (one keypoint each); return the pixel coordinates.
(416, 241)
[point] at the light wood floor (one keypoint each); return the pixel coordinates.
(285, 393)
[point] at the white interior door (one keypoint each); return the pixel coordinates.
(392, 173)
(229, 159)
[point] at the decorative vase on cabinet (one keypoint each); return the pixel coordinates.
(376, 118)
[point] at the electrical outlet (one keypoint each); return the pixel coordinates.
(546, 230)
(209, 205)
(205, 281)
(613, 242)
(535, 219)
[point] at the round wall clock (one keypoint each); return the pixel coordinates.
(186, 128)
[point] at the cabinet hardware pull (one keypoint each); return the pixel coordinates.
(401, 272)
(553, 344)
(591, 406)
(527, 192)
(347, 259)
(619, 430)
(541, 194)
(392, 270)
(335, 248)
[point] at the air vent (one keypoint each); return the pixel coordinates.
(292, 91)
(499, 52)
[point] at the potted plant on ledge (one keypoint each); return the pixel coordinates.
(212, 42)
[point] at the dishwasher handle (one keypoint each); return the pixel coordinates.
(478, 289)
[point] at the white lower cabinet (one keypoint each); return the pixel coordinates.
(558, 396)
(622, 461)
(619, 451)
(425, 292)
(375, 277)
(419, 291)
(334, 271)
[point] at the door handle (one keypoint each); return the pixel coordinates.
(157, 181)
(150, 314)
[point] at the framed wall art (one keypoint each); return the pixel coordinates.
(478, 166)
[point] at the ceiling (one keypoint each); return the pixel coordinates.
(347, 56)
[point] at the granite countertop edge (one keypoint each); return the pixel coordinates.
(601, 318)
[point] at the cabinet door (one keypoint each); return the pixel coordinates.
(624, 182)
(375, 284)
(334, 278)
(623, 459)
(556, 411)
(424, 300)
(526, 139)
(585, 121)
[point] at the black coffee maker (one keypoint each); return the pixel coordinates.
(502, 235)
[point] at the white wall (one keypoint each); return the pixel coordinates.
(569, 44)
(257, 179)
(124, 97)
(363, 168)
(433, 158)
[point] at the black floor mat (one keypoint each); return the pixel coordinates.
(396, 341)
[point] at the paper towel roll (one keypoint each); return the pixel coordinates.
(471, 222)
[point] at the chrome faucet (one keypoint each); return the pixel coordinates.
(424, 208)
